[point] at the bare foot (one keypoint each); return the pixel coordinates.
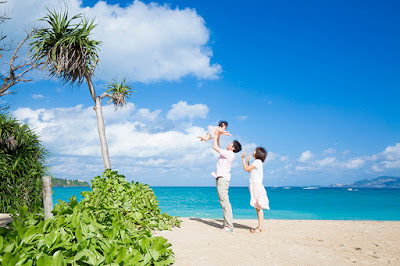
(257, 230)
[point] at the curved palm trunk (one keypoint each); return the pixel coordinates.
(102, 134)
(100, 124)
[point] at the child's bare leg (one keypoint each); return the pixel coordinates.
(260, 215)
(207, 137)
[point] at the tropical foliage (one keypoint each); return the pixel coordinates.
(65, 48)
(22, 165)
(67, 52)
(120, 92)
(110, 226)
(135, 203)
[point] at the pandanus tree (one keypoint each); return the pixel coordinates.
(67, 53)
(22, 165)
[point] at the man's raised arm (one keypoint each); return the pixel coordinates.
(216, 142)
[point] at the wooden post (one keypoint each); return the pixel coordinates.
(47, 197)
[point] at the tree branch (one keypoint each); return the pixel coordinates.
(12, 78)
(105, 94)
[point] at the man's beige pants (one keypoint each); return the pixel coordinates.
(222, 189)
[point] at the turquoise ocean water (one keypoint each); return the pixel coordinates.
(294, 203)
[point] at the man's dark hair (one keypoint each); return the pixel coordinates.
(261, 153)
(221, 123)
(237, 146)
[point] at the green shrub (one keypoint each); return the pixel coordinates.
(112, 196)
(97, 231)
(22, 164)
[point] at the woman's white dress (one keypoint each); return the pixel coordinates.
(258, 194)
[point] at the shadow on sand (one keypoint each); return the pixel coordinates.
(217, 223)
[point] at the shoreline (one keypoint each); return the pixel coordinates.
(6, 218)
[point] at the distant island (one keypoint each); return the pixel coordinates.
(58, 182)
(379, 182)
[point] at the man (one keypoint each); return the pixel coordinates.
(223, 177)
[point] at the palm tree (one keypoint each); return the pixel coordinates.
(67, 53)
(119, 93)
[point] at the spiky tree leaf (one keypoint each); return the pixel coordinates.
(65, 48)
(120, 91)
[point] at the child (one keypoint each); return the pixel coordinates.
(258, 195)
(222, 125)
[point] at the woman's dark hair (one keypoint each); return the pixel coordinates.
(237, 146)
(261, 153)
(221, 123)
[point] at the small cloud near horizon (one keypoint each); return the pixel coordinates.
(37, 96)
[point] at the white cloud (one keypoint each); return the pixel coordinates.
(135, 147)
(73, 131)
(37, 96)
(152, 147)
(326, 162)
(389, 159)
(305, 168)
(305, 156)
(153, 163)
(346, 152)
(145, 42)
(377, 169)
(242, 117)
(391, 164)
(182, 110)
(392, 152)
(272, 156)
(330, 150)
(355, 163)
(147, 115)
(284, 158)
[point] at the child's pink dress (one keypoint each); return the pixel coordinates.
(258, 194)
(211, 130)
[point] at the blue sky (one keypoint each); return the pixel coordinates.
(315, 82)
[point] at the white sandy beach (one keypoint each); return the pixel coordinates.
(286, 242)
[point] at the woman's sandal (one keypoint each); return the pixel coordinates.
(256, 230)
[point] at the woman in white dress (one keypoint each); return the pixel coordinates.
(258, 194)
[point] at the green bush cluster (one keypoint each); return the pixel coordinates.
(133, 203)
(110, 226)
(22, 165)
